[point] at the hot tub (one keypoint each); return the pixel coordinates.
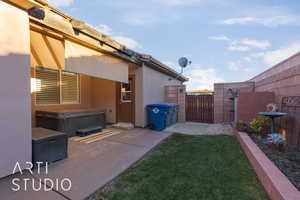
(70, 121)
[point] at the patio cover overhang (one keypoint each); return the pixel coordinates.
(57, 52)
(83, 60)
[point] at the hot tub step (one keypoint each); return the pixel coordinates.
(89, 131)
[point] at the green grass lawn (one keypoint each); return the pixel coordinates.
(189, 167)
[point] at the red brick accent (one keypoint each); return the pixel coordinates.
(251, 103)
(274, 181)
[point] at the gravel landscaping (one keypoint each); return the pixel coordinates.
(287, 161)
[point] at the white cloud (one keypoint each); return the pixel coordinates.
(247, 59)
(257, 62)
(244, 64)
(141, 18)
(242, 45)
(128, 42)
(233, 66)
(243, 20)
(61, 3)
(238, 48)
(220, 37)
(273, 21)
(105, 29)
(181, 2)
(203, 79)
(271, 58)
(263, 44)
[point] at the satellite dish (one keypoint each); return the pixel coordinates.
(183, 62)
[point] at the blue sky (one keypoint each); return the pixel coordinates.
(226, 40)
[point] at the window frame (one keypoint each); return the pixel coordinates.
(60, 87)
(125, 92)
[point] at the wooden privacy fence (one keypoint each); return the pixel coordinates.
(200, 108)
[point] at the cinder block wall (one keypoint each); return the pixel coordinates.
(176, 94)
(251, 103)
(283, 79)
(222, 104)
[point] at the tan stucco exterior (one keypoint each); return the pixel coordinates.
(95, 93)
(85, 98)
(28, 43)
(104, 97)
(15, 115)
(90, 62)
(150, 86)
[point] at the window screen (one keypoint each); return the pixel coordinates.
(47, 85)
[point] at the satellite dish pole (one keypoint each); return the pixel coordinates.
(183, 63)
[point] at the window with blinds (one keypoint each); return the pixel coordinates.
(47, 85)
(70, 88)
(56, 87)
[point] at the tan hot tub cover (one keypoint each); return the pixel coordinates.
(83, 60)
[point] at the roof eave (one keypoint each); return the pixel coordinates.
(157, 65)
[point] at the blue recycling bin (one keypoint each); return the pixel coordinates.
(161, 116)
(174, 116)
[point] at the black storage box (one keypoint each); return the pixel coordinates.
(48, 145)
(70, 121)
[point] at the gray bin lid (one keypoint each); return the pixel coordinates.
(41, 134)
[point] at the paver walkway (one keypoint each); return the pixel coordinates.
(192, 128)
(89, 166)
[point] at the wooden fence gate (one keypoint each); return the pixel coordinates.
(200, 108)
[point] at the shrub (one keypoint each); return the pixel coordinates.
(261, 125)
(241, 126)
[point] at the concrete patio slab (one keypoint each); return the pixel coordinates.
(193, 128)
(139, 137)
(91, 166)
(6, 192)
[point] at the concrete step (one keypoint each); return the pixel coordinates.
(123, 125)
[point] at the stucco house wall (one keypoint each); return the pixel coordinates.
(15, 106)
(153, 91)
(104, 97)
(139, 98)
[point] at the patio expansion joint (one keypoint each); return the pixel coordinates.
(53, 190)
(118, 141)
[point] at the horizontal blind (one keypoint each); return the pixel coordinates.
(70, 87)
(47, 85)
